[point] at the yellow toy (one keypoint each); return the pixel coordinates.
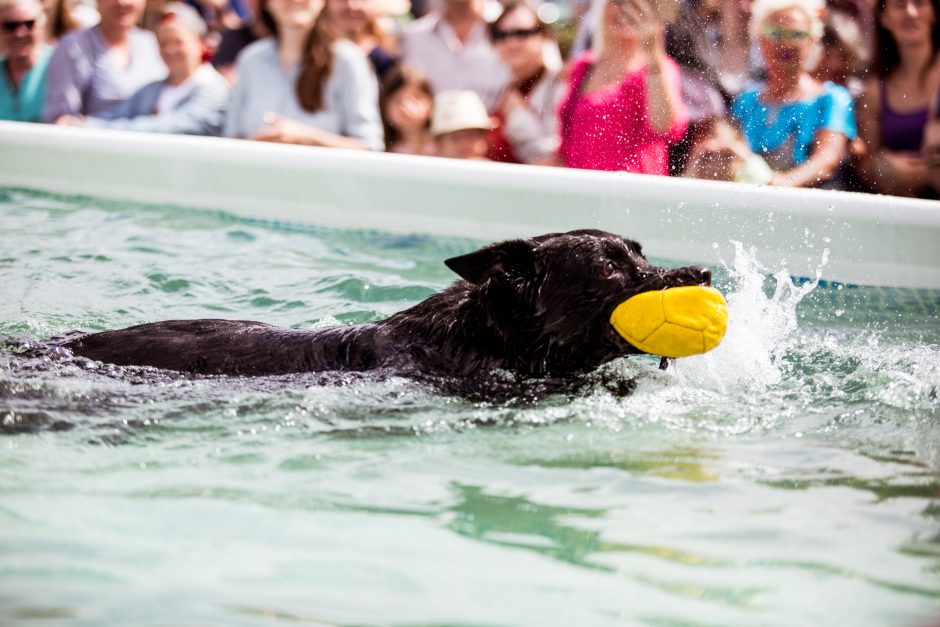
(674, 322)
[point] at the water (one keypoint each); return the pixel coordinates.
(789, 477)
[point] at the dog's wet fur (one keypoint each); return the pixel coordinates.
(538, 308)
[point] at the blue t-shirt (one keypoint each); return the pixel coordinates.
(25, 103)
(783, 134)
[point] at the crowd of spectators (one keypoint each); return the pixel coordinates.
(839, 94)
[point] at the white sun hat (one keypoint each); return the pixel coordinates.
(457, 111)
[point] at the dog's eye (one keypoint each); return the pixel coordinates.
(609, 269)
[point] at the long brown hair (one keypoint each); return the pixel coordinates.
(63, 22)
(887, 57)
(316, 63)
(316, 60)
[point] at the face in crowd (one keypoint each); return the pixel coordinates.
(409, 108)
(519, 40)
(468, 143)
(786, 41)
(182, 50)
(120, 14)
(910, 22)
(352, 17)
(294, 14)
(21, 28)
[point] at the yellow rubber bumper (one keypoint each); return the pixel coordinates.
(675, 322)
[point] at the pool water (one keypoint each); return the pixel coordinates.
(792, 476)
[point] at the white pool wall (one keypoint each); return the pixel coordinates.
(863, 239)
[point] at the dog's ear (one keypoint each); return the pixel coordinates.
(512, 255)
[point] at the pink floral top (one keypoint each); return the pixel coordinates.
(609, 129)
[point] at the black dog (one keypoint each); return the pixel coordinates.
(538, 308)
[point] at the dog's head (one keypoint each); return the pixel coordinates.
(549, 299)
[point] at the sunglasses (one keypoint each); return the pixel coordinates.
(12, 27)
(779, 33)
(521, 33)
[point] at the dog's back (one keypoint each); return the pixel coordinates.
(539, 307)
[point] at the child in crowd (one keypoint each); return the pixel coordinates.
(406, 101)
(460, 125)
(801, 127)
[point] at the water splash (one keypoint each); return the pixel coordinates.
(759, 327)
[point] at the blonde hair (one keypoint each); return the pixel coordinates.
(813, 9)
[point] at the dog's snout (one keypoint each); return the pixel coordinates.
(703, 276)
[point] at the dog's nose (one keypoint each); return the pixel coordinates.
(702, 276)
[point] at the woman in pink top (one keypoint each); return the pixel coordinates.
(623, 106)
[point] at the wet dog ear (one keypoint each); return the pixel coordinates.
(513, 255)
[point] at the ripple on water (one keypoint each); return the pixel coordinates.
(790, 471)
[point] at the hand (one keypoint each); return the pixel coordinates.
(931, 149)
(781, 179)
(283, 130)
(904, 165)
(511, 101)
(70, 120)
(641, 16)
(414, 110)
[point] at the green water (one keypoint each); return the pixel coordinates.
(788, 478)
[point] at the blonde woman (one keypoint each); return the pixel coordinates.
(802, 127)
(623, 106)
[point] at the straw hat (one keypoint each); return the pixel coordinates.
(457, 111)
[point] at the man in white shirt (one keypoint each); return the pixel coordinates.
(451, 46)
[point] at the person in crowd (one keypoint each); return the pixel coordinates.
(98, 68)
(303, 85)
(800, 126)
(623, 106)
(23, 67)
(191, 100)
(232, 40)
(709, 40)
(843, 52)
(450, 45)
(720, 153)
(356, 21)
(527, 112)
(896, 103)
(460, 125)
(406, 102)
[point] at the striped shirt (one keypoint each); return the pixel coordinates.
(85, 79)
